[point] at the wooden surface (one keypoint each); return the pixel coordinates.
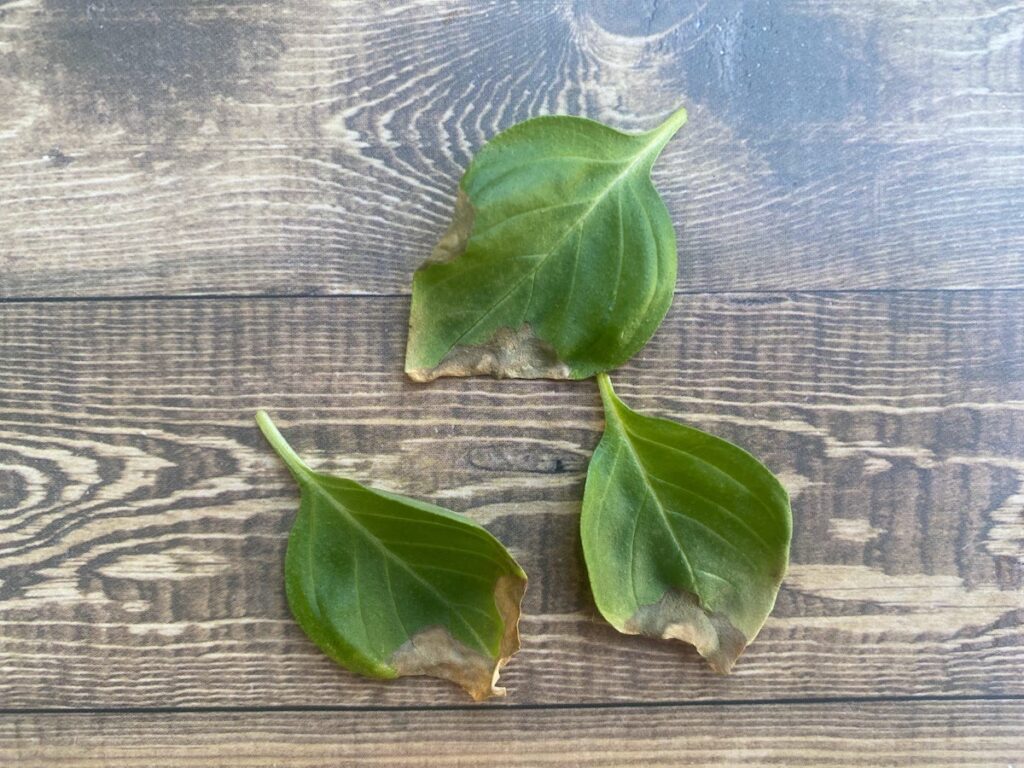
(212, 206)
(310, 146)
(147, 518)
(849, 734)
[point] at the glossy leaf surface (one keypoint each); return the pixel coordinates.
(388, 586)
(685, 535)
(560, 261)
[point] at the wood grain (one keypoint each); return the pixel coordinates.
(314, 146)
(143, 520)
(906, 734)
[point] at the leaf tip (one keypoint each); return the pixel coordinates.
(678, 118)
(661, 135)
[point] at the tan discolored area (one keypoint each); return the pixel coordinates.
(678, 616)
(434, 652)
(513, 354)
(508, 597)
(509, 354)
(453, 242)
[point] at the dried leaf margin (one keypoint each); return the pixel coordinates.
(390, 586)
(560, 261)
(685, 535)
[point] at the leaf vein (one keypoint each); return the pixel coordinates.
(701, 460)
(598, 199)
(379, 544)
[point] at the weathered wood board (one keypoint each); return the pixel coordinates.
(209, 206)
(870, 735)
(145, 519)
(310, 146)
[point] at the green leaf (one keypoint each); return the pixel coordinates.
(685, 535)
(560, 261)
(389, 586)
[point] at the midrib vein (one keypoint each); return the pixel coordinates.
(599, 198)
(657, 502)
(389, 555)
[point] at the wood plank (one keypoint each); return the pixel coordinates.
(314, 147)
(143, 519)
(904, 734)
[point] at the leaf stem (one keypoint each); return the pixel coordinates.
(280, 445)
(607, 393)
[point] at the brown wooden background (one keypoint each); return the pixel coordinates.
(209, 206)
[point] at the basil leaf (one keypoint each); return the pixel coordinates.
(389, 586)
(560, 261)
(685, 535)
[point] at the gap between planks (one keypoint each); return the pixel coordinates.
(367, 295)
(604, 705)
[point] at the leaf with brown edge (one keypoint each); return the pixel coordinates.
(560, 261)
(685, 535)
(389, 586)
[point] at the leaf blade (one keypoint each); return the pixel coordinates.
(450, 611)
(532, 281)
(697, 529)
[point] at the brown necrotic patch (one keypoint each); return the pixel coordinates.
(508, 354)
(434, 652)
(453, 242)
(149, 65)
(679, 616)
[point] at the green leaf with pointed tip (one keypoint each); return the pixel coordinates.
(560, 261)
(685, 535)
(389, 586)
